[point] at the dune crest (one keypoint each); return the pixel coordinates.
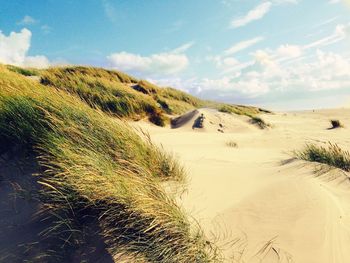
(214, 121)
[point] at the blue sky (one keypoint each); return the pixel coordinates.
(281, 54)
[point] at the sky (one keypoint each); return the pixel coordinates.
(278, 54)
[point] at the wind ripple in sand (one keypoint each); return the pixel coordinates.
(306, 218)
(244, 190)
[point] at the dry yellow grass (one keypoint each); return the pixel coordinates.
(98, 171)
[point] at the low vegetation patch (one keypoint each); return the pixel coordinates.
(96, 171)
(251, 112)
(331, 155)
(259, 122)
(232, 144)
(238, 109)
(23, 71)
(336, 124)
(159, 119)
(170, 100)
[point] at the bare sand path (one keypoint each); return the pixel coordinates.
(247, 193)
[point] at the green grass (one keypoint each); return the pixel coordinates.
(101, 88)
(170, 100)
(96, 167)
(238, 109)
(331, 155)
(97, 174)
(23, 71)
(119, 94)
(251, 112)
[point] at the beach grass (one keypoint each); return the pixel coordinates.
(332, 155)
(96, 170)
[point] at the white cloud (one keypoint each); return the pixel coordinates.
(191, 85)
(230, 62)
(36, 62)
(289, 51)
(285, 1)
(302, 68)
(223, 62)
(27, 21)
(167, 63)
(326, 71)
(263, 57)
(14, 49)
(268, 74)
(183, 48)
(256, 13)
(230, 3)
(242, 45)
(227, 63)
(325, 22)
(341, 32)
(334, 1)
(249, 87)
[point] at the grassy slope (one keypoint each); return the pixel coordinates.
(120, 94)
(125, 96)
(96, 167)
(110, 90)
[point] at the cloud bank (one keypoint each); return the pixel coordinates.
(287, 69)
(256, 13)
(165, 63)
(14, 50)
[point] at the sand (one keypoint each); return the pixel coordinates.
(277, 208)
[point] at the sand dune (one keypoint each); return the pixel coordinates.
(214, 122)
(247, 193)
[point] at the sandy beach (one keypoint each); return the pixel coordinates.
(279, 209)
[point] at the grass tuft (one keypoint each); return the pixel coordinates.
(251, 112)
(336, 124)
(332, 155)
(159, 119)
(232, 144)
(238, 109)
(259, 122)
(23, 71)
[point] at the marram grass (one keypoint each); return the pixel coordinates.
(259, 122)
(120, 94)
(98, 172)
(125, 96)
(331, 155)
